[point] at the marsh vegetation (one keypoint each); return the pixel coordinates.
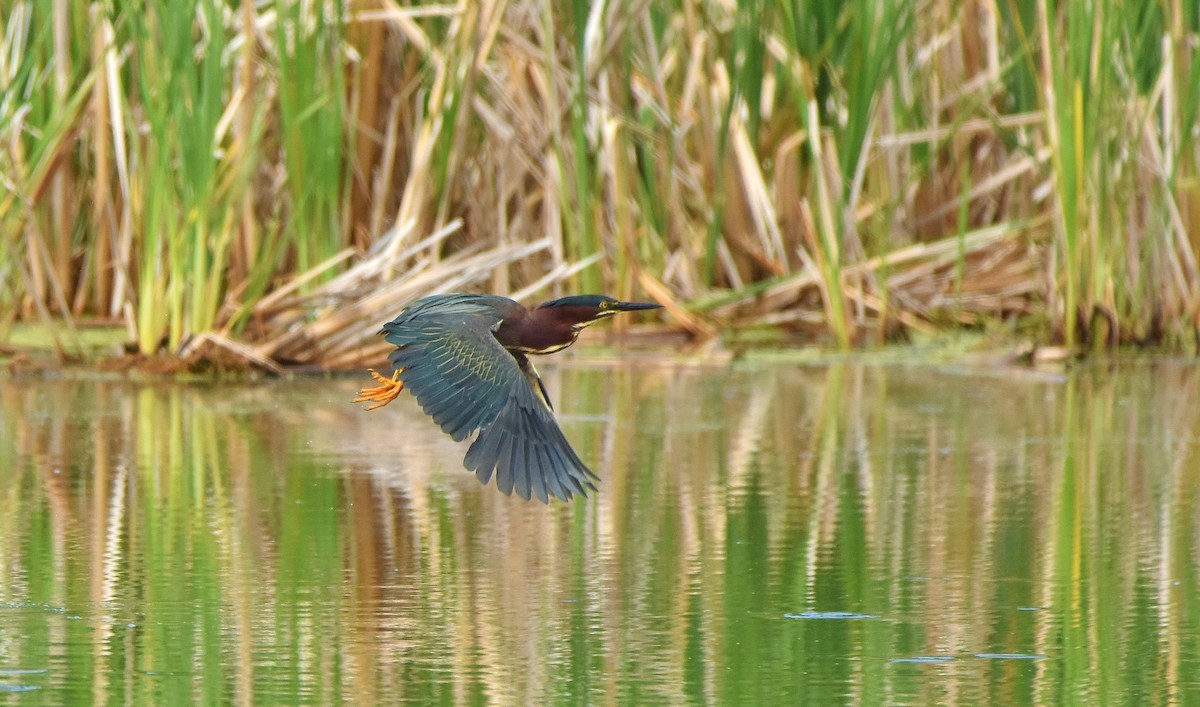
(276, 177)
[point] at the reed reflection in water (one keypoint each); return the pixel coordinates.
(871, 534)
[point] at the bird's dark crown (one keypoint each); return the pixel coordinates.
(596, 302)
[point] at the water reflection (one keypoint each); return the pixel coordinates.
(872, 534)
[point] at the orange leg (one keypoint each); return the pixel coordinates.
(383, 394)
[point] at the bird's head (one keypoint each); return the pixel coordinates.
(580, 310)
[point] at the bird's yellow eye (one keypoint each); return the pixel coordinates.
(605, 304)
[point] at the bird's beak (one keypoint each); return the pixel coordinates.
(634, 306)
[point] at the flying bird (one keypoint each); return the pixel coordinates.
(466, 359)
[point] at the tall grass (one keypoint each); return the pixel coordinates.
(182, 210)
(193, 167)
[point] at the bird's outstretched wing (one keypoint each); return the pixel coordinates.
(466, 381)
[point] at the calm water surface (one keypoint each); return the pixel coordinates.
(764, 534)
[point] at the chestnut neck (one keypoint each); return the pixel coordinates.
(543, 330)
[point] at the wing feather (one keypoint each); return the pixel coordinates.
(565, 474)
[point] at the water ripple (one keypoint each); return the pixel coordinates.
(843, 615)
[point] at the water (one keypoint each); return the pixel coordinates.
(774, 534)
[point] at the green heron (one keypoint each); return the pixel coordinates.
(464, 357)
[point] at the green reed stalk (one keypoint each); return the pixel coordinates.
(182, 80)
(583, 237)
(311, 96)
(1062, 88)
(829, 254)
(847, 54)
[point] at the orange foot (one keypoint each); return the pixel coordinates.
(382, 394)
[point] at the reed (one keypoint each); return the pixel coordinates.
(311, 95)
(175, 165)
